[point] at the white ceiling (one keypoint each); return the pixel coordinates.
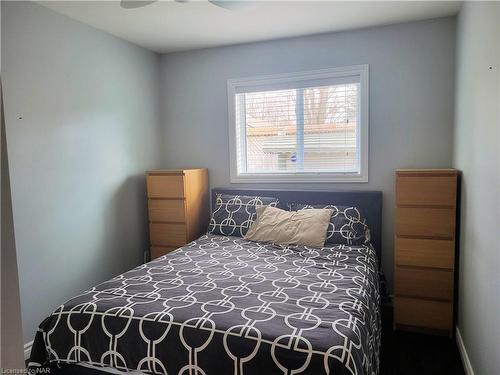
(168, 26)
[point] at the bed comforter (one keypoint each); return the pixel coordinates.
(224, 305)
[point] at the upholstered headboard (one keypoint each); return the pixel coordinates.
(368, 202)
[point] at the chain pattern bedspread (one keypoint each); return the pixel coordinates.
(224, 305)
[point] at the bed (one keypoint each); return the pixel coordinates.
(225, 305)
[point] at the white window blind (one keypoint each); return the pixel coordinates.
(307, 127)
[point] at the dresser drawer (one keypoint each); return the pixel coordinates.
(426, 191)
(425, 253)
(425, 283)
(157, 251)
(423, 313)
(166, 210)
(165, 186)
(167, 234)
(425, 222)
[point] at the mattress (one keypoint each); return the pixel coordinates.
(225, 305)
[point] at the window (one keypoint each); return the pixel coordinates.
(300, 127)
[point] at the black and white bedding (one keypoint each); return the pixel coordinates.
(223, 305)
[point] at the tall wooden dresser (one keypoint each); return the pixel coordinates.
(425, 221)
(178, 208)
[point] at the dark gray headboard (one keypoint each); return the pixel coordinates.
(368, 202)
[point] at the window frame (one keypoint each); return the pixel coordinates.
(305, 177)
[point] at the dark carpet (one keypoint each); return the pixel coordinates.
(403, 353)
(406, 353)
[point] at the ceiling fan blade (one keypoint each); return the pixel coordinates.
(132, 4)
(230, 5)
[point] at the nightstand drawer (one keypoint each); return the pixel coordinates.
(167, 234)
(166, 210)
(157, 251)
(424, 314)
(165, 186)
(425, 191)
(425, 222)
(425, 253)
(425, 283)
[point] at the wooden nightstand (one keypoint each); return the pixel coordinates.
(177, 207)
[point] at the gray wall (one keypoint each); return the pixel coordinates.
(411, 100)
(11, 345)
(89, 130)
(477, 154)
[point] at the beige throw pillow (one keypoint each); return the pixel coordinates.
(304, 227)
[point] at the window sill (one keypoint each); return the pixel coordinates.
(298, 178)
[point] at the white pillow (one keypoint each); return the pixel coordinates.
(304, 227)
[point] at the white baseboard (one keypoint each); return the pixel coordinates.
(463, 353)
(27, 350)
